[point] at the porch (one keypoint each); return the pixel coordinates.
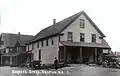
(7, 60)
(13, 59)
(81, 52)
(72, 54)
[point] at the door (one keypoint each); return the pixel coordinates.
(39, 54)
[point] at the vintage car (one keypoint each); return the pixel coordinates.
(110, 61)
(36, 64)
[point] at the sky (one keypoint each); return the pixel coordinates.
(30, 16)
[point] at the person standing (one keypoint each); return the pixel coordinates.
(100, 60)
(56, 63)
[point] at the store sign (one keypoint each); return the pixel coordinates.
(105, 51)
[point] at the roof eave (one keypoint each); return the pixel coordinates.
(44, 38)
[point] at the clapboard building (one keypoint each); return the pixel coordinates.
(71, 40)
(12, 48)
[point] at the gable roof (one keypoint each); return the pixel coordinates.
(10, 40)
(60, 26)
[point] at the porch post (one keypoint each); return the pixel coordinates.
(81, 55)
(59, 55)
(10, 60)
(16, 60)
(65, 54)
(1, 59)
(95, 55)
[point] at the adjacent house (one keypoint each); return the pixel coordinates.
(12, 48)
(72, 40)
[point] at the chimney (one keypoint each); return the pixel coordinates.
(18, 33)
(54, 21)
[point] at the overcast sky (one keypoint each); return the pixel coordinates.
(30, 16)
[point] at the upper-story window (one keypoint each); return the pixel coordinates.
(41, 43)
(70, 36)
(47, 42)
(37, 44)
(82, 37)
(1, 42)
(32, 46)
(100, 37)
(28, 47)
(93, 37)
(4, 50)
(82, 23)
(7, 50)
(52, 41)
(10, 49)
(17, 49)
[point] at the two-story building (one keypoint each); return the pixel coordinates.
(74, 39)
(12, 48)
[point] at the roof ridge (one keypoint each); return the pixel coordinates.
(56, 29)
(69, 17)
(16, 34)
(58, 22)
(94, 25)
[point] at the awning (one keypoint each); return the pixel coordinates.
(83, 44)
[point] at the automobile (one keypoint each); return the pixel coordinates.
(36, 64)
(111, 61)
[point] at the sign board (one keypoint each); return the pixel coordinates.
(105, 51)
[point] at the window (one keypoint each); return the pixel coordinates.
(47, 42)
(39, 54)
(28, 47)
(70, 38)
(4, 50)
(100, 37)
(7, 50)
(82, 23)
(32, 46)
(10, 49)
(17, 49)
(1, 42)
(42, 43)
(82, 37)
(93, 37)
(37, 44)
(52, 41)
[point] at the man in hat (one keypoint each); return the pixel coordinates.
(56, 63)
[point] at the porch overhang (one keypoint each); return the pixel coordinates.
(83, 44)
(15, 54)
(9, 54)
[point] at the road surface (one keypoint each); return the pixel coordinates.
(74, 70)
